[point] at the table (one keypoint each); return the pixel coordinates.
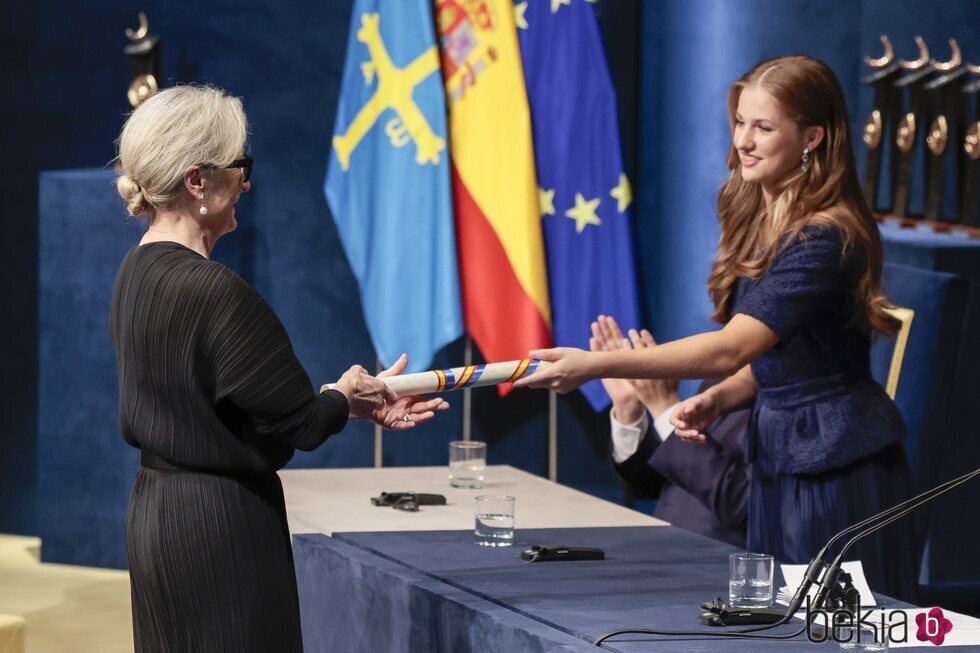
(417, 582)
(334, 500)
(438, 591)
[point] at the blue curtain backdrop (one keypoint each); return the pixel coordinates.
(63, 100)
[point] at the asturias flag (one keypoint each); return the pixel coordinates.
(584, 193)
(498, 226)
(388, 181)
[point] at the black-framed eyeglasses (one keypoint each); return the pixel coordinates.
(244, 164)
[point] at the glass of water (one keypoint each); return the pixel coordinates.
(750, 580)
(494, 520)
(467, 463)
(856, 637)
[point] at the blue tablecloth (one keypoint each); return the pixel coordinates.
(438, 591)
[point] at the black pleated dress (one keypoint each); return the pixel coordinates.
(213, 396)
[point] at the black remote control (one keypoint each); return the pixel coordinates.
(555, 552)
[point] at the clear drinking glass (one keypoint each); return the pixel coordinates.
(467, 463)
(494, 520)
(861, 638)
(750, 580)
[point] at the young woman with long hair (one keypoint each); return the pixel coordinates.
(797, 285)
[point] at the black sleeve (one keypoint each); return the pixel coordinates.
(637, 472)
(254, 366)
(717, 477)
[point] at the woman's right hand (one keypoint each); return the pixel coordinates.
(568, 370)
(693, 416)
(365, 393)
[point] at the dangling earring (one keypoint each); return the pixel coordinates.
(203, 210)
(805, 165)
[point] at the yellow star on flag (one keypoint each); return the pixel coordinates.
(555, 4)
(546, 200)
(584, 213)
(623, 193)
(519, 18)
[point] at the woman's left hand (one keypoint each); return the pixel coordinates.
(693, 416)
(568, 370)
(406, 412)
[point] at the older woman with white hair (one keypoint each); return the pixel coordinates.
(212, 394)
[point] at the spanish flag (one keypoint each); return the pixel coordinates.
(498, 222)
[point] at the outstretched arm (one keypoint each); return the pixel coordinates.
(706, 355)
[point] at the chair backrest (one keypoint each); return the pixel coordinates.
(918, 367)
(922, 372)
(905, 316)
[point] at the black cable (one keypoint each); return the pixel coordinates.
(701, 633)
(830, 575)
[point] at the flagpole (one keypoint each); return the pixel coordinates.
(467, 392)
(378, 431)
(553, 435)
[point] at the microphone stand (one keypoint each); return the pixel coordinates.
(828, 581)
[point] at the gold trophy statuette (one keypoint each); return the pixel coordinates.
(905, 139)
(938, 135)
(872, 130)
(144, 53)
(971, 144)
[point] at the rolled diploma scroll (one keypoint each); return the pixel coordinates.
(456, 378)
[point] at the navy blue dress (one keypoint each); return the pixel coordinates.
(825, 439)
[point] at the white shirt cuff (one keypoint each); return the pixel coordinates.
(626, 437)
(662, 424)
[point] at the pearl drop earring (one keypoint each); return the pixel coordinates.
(203, 210)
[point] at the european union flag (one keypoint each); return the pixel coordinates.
(388, 182)
(584, 193)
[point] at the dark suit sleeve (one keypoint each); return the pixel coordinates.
(637, 471)
(717, 477)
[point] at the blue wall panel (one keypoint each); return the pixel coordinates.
(84, 475)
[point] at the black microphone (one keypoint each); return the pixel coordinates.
(831, 575)
(828, 582)
(831, 572)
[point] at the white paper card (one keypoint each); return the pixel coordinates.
(794, 576)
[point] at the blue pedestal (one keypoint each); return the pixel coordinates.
(85, 470)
